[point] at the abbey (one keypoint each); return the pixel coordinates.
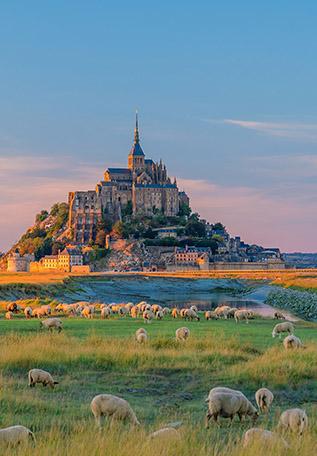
(144, 185)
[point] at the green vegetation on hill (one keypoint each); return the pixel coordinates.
(164, 381)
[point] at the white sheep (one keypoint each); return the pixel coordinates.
(105, 312)
(227, 405)
(51, 324)
(292, 342)
(148, 315)
(190, 314)
(141, 335)
(28, 312)
(113, 407)
(123, 311)
(9, 315)
(41, 376)
(222, 389)
(194, 308)
(167, 433)
(264, 398)
(39, 312)
(159, 315)
(87, 312)
(264, 437)
(280, 328)
(294, 420)
(182, 333)
(210, 315)
(241, 314)
(46, 309)
(222, 311)
(166, 310)
(15, 435)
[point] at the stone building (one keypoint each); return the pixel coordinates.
(144, 185)
(65, 261)
(19, 263)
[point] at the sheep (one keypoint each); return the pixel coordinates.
(159, 315)
(105, 313)
(191, 315)
(264, 398)
(141, 335)
(166, 310)
(129, 306)
(28, 312)
(231, 312)
(182, 313)
(166, 433)
(241, 315)
(12, 307)
(292, 342)
(39, 312)
(175, 312)
(278, 315)
(194, 308)
(87, 312)
(63, 307)
(210, 315)
(278, 329)
(9, 315)
(294, 420)
(264, 437)
(148, 315)
(15, 435)
(40, 376)
(134, 311)
(182, 333)
(156, 308)
(113, 407)
(123, 311)
(227, 405)
(46, 309)
(51, 324)
(222, 311)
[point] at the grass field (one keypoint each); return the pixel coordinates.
(164, 381)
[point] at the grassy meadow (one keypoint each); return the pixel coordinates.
(165, 381)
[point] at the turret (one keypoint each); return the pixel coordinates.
(136, 155)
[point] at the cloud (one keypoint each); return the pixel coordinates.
(290, 130)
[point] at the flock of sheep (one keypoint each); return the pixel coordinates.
(222, 402)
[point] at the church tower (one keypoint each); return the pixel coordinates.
(136, 155)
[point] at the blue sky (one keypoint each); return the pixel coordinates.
(226, 93)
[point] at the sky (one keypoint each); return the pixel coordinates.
(226, 94)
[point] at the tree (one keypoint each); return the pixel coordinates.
(184, 210)
(101, 238)
(218, 238)
(219, 227)
(41, 216)
(127, 210)
(195, 228)
(118, 229)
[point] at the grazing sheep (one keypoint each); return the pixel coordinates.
(166, 311)
(292, 342)
(191, 315)
(264, 437)
(15, 435)
(278, 315)
(46, 309)
(148, 315)
(182, 313)
(231, 312)
(105, 313)
(134, 311)
(210, 315)
(28, 312)
(12, 307)
(156, 308)
(280, 328)
(194, 308)
(113, 407)
(227, 405)
(167, 433)
(9, 315)
(41, 376)
(39, 312)
(87, 312)
(159, 315)
(51, 324)
(141, 335)
(264, 398)
(222, 311)
(129, 306)
(182, 333)
(63, 307)
(175, 312)
(123, 311)
(242, 314)
(294, 420)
